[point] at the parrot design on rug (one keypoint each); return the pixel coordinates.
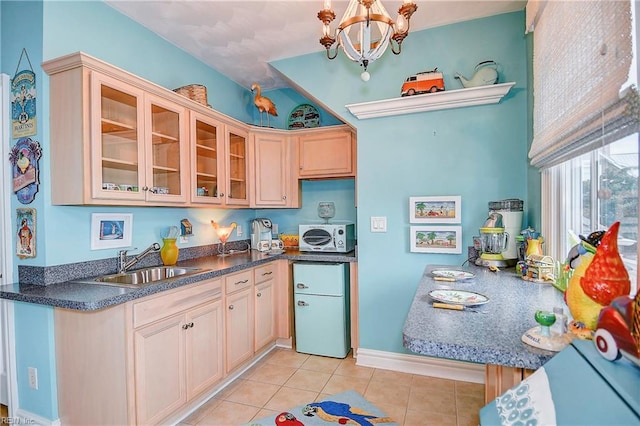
(338, 412)
(287, 419)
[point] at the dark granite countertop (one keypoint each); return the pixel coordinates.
(492, 337)
(88, 297)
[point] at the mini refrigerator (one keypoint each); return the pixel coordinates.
(321, 308)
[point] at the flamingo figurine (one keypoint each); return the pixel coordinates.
(263, 104)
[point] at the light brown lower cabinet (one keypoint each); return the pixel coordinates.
(176, 359)
(148, 360)
(499, 379)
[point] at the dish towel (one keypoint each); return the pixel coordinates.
(529, 402)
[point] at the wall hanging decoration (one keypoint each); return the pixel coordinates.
(436, 239)
(24, 158)
(23, 100)
(111, 230)
(26, 223)
(440, 209)
(303, 116)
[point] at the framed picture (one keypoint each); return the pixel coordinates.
(444, 209)
(111, 230)
(26, 242)
(436, 239)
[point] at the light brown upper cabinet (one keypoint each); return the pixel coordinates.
(112, 142)
(326, 153)
(273, 176)
(219, 162)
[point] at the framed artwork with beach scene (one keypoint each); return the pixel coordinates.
(436, 239)
(442, 209)
(111, 230)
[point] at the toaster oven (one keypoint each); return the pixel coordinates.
(327, 237)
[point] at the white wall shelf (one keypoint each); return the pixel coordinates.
(472, 96)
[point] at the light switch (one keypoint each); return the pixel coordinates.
(239, 231)
(378, 224)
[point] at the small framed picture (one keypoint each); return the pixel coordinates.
(443, 209)
(436, 239)
(111, 230)
(26, 242)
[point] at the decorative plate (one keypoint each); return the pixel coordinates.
(304, 116)
(458, 297)
(452, 273)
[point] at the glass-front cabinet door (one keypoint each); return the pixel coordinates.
(237, 167)
(138, 149)
(207, 159)
(166, 153)
(117, 133)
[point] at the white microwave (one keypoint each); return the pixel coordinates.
(327, 237)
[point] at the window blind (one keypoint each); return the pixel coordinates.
(582, 97)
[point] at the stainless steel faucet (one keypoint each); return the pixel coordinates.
(124, 265)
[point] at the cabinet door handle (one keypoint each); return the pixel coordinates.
(259, 294)
(300, 285)
(221, 195)
(145, 188)
(302, 303)
(284, 197)
(190, 325)
(231, 307)
(241, 282)
(185, 326)
(267, 273)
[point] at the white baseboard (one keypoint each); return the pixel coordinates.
(23, 417)
(422, 365)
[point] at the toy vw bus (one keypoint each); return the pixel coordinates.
(423, 82)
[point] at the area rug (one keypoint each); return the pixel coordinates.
(346, 408)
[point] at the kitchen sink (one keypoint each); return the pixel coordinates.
(145, 276)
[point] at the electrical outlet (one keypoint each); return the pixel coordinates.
(239, 231)
(33, 377)
(183, 239)
(274, 228)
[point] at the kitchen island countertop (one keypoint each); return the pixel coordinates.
(89, 297)
(490, 336)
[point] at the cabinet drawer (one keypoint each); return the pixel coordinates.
(165, 305)
(264, 273)
(238, 281)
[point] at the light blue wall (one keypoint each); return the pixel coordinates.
(476, 152)
(34, 323)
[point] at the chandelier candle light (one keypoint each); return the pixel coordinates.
(365, 31)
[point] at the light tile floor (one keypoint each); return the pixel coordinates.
(285, 379)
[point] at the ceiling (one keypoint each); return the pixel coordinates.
(239, 38)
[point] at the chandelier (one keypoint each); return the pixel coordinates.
(365, 30)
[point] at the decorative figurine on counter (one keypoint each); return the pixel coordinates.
(539, 268)
(618, 329)
(597, 279)
(548, 335)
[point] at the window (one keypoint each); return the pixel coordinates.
(592, 192)
(586, 121)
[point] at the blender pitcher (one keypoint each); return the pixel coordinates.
(494, 242)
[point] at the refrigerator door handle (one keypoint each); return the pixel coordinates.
(302, 303)
(301, 285)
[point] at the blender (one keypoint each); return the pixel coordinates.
(498, 234)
